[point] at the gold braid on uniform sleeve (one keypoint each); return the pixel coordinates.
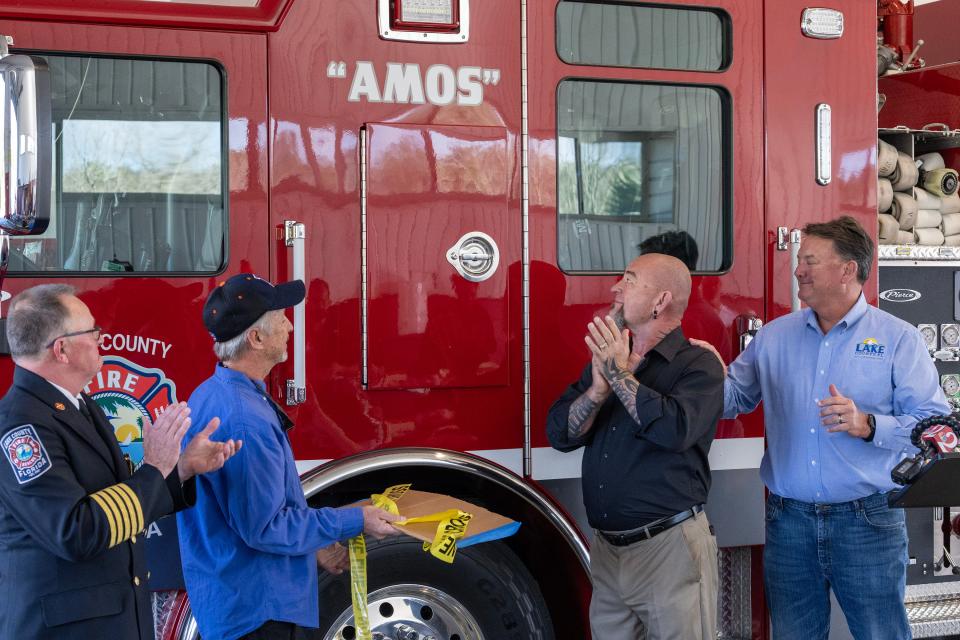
(122, 508)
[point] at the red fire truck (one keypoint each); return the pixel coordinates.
(459, 183)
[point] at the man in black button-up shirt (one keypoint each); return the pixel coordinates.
(645, 410)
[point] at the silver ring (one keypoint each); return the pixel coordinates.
(602, 345)
(839, 419)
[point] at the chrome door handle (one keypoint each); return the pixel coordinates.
(794, 263)
(747, 327)
(295, 237)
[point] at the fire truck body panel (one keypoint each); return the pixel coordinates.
(158, 336)
(465, 209)
(232, 15)
(441, 356)
(569, 288)
(801, 73)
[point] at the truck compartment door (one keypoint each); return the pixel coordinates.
(437, 226)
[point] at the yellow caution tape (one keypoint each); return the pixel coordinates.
(358, 586)
(388, 499)
(452, 525)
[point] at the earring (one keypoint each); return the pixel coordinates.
(654, 314)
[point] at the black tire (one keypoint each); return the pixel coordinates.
(486, 580)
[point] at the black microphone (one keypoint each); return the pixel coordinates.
(934, 436)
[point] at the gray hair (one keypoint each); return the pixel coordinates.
(237, 346)
(37, 316)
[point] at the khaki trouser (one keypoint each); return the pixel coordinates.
(667, 584)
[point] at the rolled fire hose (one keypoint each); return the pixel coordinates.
(888, 228)
(907, 173)
(952, 241)
(951, 224)
(904, 209)
(905, 237)
(950, 204)
(926, 200)
(928, 219)
(942, 182)
(928, 237)
(886, 159)
(893, 177)
(931, 161)
(884, 195)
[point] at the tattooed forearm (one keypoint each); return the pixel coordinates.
(625, 386)
(582, 412)
(609, 369)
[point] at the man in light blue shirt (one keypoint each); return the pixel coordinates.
(842, 384)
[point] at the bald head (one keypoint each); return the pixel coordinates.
(665, 273)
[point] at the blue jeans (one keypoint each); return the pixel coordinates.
(857, 548)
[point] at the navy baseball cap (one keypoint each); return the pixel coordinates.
(240, 301)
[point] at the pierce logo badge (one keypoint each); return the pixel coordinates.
(900, 295)
(132, 397)
(870, 348)
(25, 453)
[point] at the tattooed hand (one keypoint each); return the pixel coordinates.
(611, 346)
(585, 408)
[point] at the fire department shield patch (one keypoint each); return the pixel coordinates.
(132, 397)
(25, 453)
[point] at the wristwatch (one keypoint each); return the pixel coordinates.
(872, 423)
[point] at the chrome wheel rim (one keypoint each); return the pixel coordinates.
(410, 612)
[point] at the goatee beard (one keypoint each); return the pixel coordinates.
(616, 312)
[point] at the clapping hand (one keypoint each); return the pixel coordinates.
(204, 455)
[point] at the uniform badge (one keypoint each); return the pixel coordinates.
(25, 453)
(59, 406)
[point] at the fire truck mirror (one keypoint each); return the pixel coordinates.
(25, 128)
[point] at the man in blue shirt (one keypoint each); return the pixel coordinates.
(843, 384)
(248, 549)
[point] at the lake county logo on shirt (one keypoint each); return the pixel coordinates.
(25, 453)
(132, 397)
(870, 348)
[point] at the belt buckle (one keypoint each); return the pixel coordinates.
(616, 539)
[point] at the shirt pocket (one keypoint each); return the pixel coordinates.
(868, 376)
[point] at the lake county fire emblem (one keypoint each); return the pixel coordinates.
(132, 397)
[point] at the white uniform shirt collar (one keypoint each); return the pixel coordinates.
(74, 399)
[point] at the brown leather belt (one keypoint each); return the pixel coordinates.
(654, 528)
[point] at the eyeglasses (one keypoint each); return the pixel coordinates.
(95, 330)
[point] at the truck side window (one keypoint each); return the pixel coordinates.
(640, 168)
(641, 36)
(139, 180)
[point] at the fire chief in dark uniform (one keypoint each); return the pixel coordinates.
(72, 563)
